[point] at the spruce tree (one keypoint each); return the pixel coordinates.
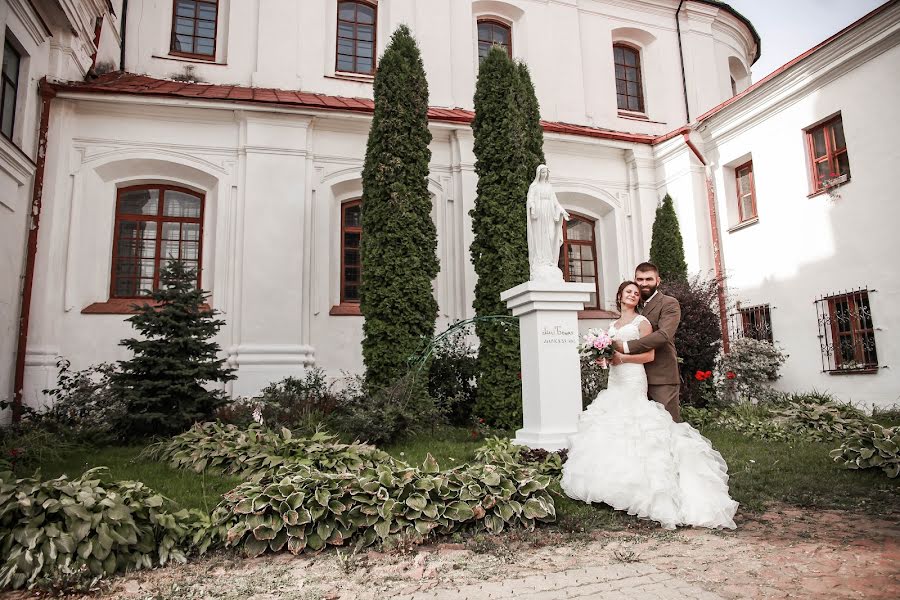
(163, 383)
(399, 240)
(504, 149)
(667, 247)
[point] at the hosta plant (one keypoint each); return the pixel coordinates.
(871, 448)
(818, 418)
(309, 510)
(502, 451)
(70, 530)
(256, 451)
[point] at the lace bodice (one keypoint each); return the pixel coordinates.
(631, 376)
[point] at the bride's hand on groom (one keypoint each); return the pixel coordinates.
(617, 358)
(619, 346)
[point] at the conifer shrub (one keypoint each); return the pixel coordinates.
(667, 246)
(164, 384)
(399, 241)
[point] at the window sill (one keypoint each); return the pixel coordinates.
(594, 313)
(743, 224)
(358, 77)
(191, 59)
(121, 306)
(815, 193)
(866, 371)
(345, 310)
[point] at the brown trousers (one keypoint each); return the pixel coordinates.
(667, 395)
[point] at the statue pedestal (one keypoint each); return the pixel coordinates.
(551, 370)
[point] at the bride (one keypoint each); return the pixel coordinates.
(630, 454)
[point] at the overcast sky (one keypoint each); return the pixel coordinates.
(789, 28)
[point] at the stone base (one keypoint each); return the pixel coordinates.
(550, 441)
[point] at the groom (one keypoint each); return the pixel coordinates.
(664, 314)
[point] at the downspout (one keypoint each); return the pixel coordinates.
(47, 94)
(687, 110)
(122, 35)
(716, 241)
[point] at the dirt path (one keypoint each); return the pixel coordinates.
(784, 553)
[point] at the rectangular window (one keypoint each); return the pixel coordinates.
(746, 192)
(154, 224)
(578, 259)
(194, 28)
(629, 87)
(351, 265)
(847, 332)
(356, 22)
(753, 322)
(827, 148)
(10, 88)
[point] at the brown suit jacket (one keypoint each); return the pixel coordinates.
(664, 314)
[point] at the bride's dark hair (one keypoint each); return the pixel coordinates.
(622, 287)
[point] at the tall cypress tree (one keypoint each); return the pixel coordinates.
(399, 239)
(667, 247)
(163, 383)
(534, 141)
(505, 166)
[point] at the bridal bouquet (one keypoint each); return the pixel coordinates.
(598, 346)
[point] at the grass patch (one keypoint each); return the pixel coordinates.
(188, 489)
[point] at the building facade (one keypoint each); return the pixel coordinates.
(232, 134)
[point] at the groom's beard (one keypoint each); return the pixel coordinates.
(647, 292)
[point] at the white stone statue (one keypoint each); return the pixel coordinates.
(545, 223)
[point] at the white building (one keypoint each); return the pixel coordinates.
(236, 131)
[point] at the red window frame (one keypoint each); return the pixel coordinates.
(832, 155)
(742, 193)
(345, 229)
(486, 42)
(623, 81)
(756, 322)
(356, 24)
(851, 323)
(592, 243)
(173, 50)
(159, 218)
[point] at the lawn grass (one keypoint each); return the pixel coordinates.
(761, 473)
(188, 489)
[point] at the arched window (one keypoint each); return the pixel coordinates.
(629, 86)
(578, 260)
(154, 224)
(356, 23)
(351, 265)
(194, 28)
(490, 33)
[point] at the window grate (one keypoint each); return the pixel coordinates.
(847, 332)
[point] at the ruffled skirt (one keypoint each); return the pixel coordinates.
(629, 454)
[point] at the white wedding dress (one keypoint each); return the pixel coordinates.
(630, 454)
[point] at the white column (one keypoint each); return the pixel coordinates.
(551, 370)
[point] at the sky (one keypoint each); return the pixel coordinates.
(789, 28)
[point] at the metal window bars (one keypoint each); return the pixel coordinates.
(847, 332)
(752, 322)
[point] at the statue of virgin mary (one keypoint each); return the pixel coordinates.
(544, 228)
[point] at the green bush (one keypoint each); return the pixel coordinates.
(296, 403)
(257, 451)
(451, 377)
(594, 379)
(382, 416)
(871, 448)
(71, 530)
(754, 365)
(84, 403)
(818, 417)
(312, 510)
(399, 241)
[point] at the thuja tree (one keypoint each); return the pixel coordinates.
(399, 240)
(164, 383)
(508, 148)
(667, 247)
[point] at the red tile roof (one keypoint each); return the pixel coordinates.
(129, 83)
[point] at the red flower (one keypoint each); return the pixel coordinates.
(699, 376)
(707, 375)
(14, 452)
(730, 375)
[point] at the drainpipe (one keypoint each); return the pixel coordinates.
(122, 35)
(687, 110)
(716, 242)
(47, 94)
